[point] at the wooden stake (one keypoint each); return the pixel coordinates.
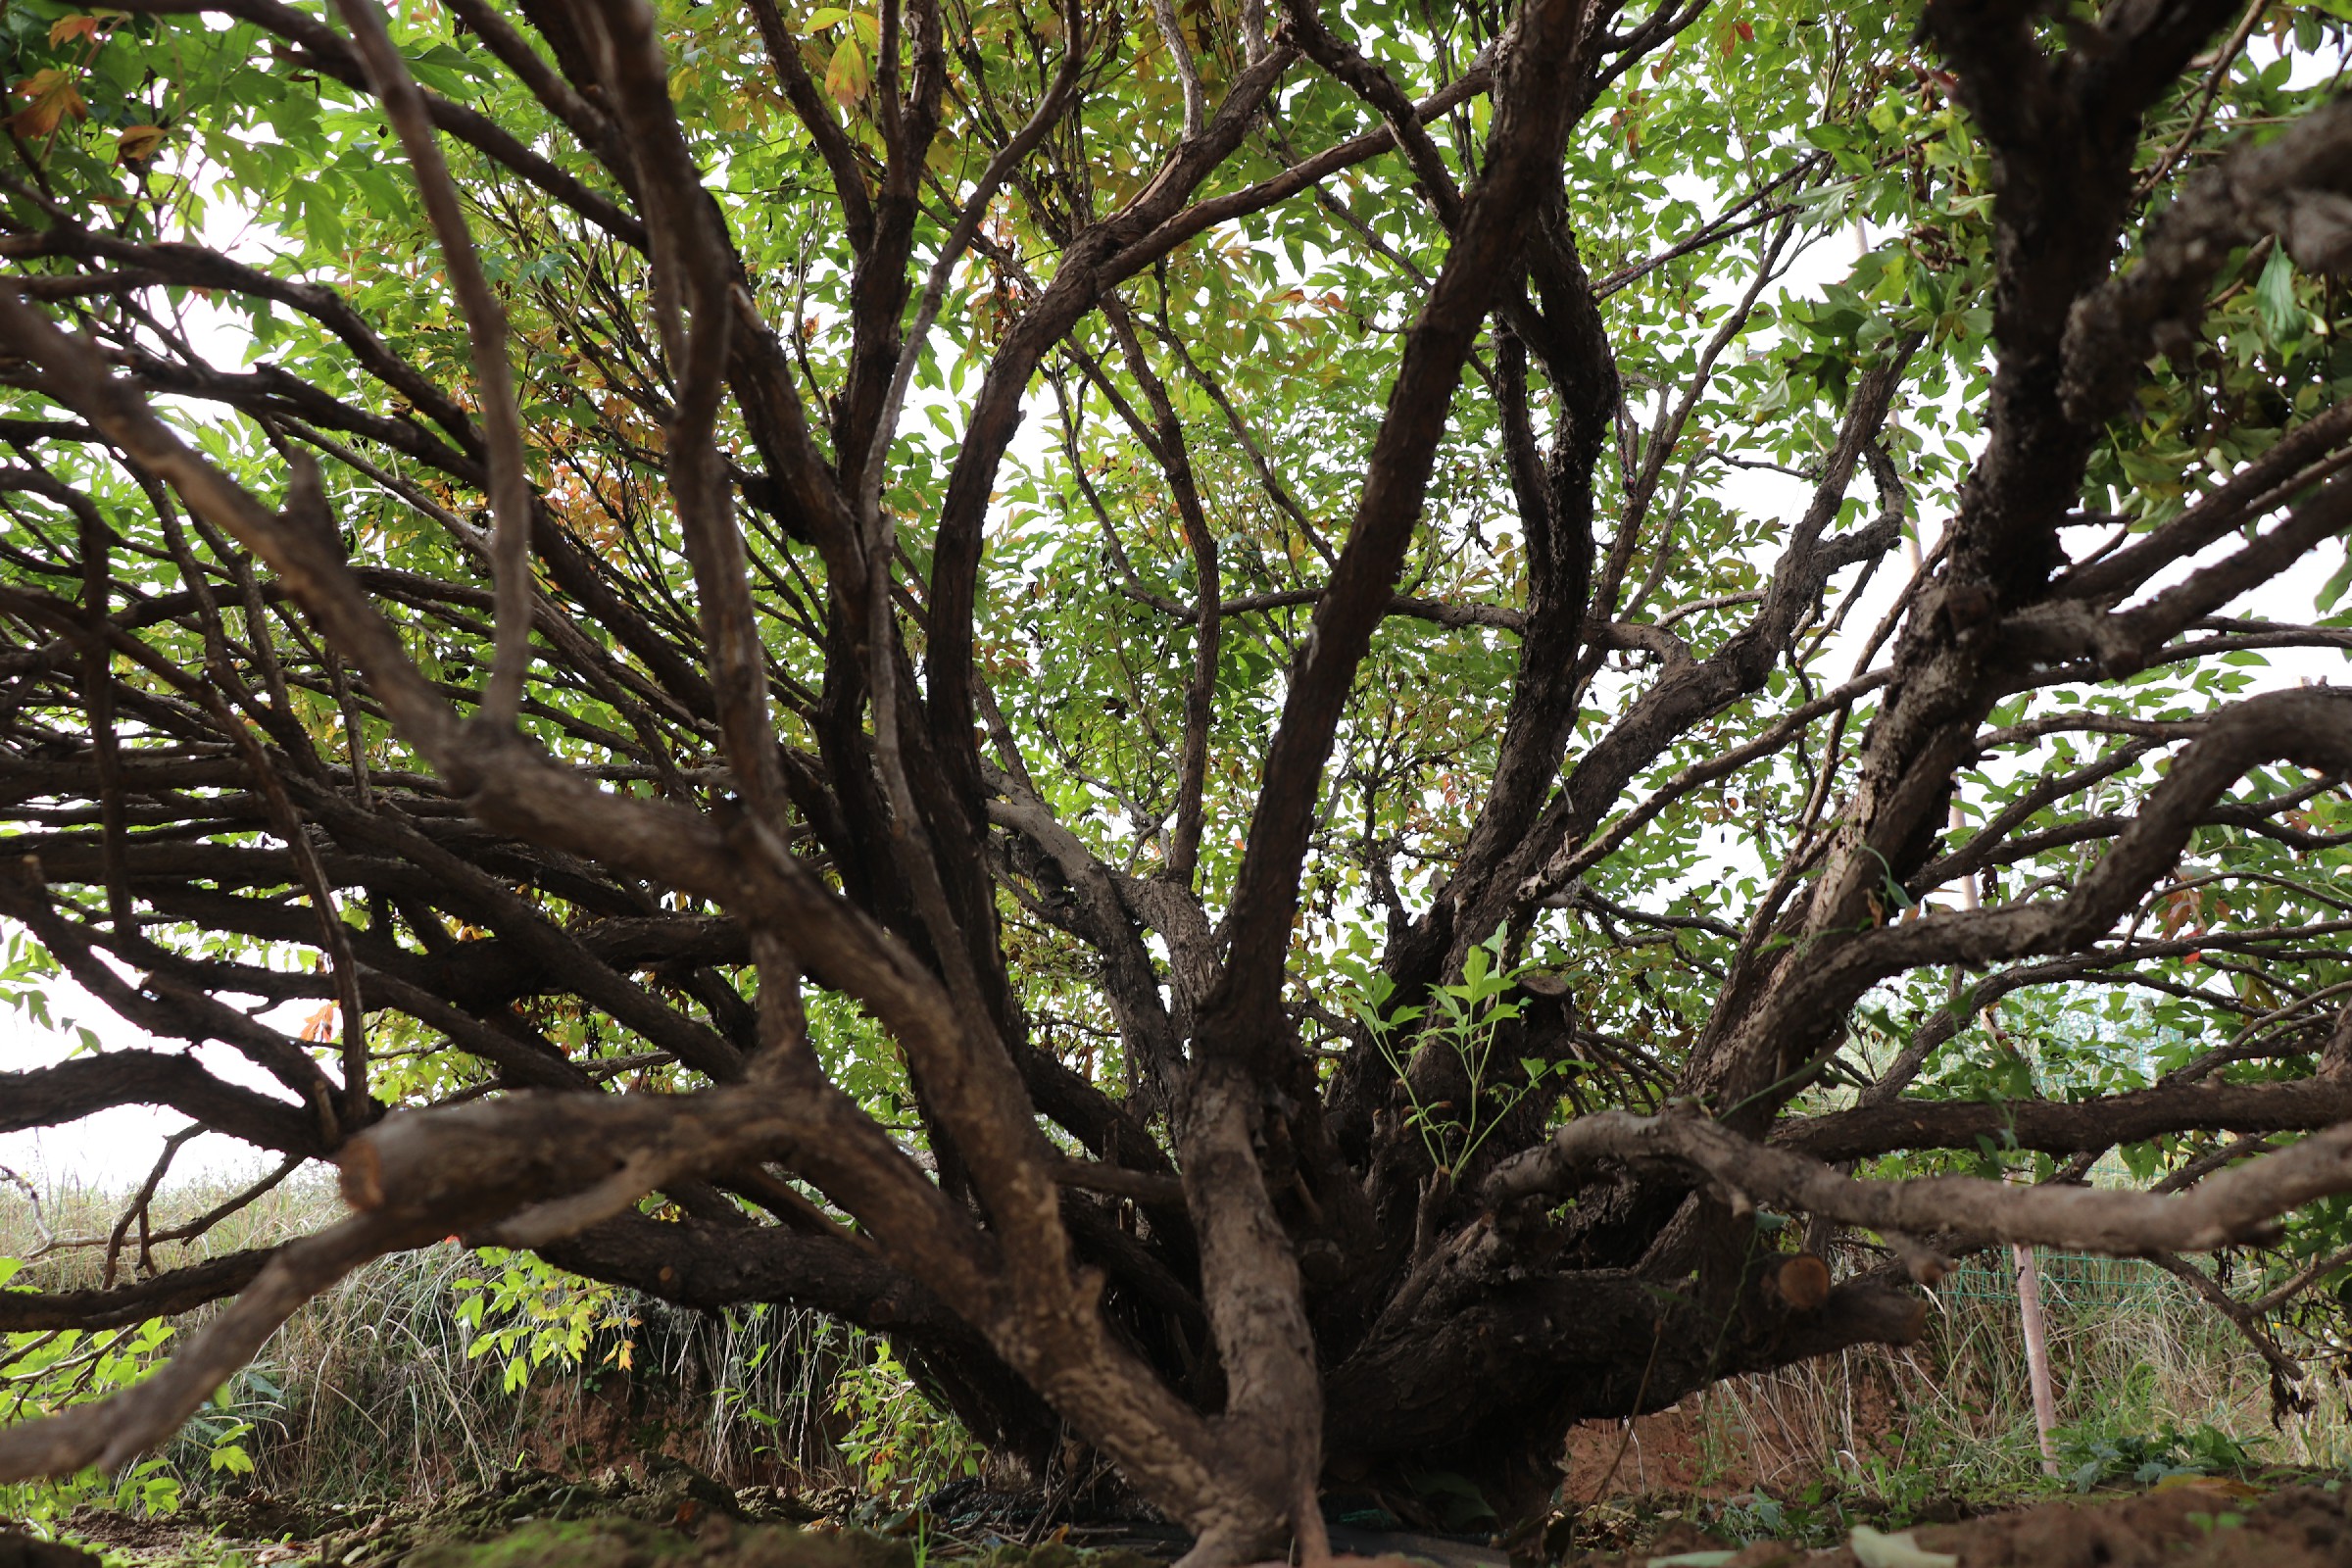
(2037, 1353)
(2028, 1276)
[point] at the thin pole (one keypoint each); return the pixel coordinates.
(2028, 1279)
(2037, 1353)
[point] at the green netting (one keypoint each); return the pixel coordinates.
(2068, 1278)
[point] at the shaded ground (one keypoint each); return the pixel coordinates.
(675, 1517)
(264, 1529)
(20, 1551)
(667, 1511)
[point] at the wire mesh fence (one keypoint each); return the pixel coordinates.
(2068, 1280)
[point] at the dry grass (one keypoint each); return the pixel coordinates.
(65, 1237)
(2133, 1352)
(375, 1389)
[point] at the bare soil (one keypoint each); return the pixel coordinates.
(2199, 1525)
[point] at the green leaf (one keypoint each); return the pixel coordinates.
(2274, 297)
(2332, 593)
(1874, 1550)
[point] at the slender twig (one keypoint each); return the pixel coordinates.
(486, 328)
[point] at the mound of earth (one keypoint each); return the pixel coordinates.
(671, 1514)
(668, 1496)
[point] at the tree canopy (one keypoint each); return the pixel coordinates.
(1304, 736)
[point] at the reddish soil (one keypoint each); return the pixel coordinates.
(2176, 1526)
(1740, 1446)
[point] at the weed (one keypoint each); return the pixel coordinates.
(1946, 1427)
(1463, 1020)
(2094, 1453)
(898, 1442)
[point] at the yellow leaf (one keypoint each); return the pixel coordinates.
(137, 142)
(65, 27)
(846, 77)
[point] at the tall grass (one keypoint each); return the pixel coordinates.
(377, 1389)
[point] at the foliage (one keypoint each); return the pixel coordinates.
(370, 1394)
(1809, 1518)
(899, 1443)
(1468, 1019)
(50, 1371)
(529, 1314)
(2092, 1454)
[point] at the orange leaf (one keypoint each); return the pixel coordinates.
(2179, 908)
(53, 98)
(65, 27)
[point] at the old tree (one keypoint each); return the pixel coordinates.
(1308, 738)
